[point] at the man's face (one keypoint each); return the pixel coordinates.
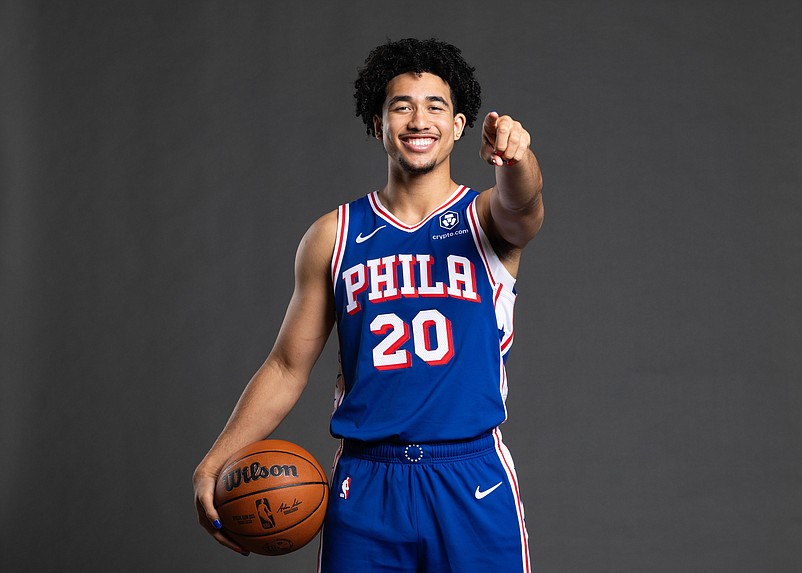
(418, 125)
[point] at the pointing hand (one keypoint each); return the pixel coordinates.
(504, 140)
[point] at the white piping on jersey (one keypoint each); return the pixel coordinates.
(500, 279)
(384, 213)
(343, 219)
(496, 270)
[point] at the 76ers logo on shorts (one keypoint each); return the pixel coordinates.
(449, 220)
(345, 487)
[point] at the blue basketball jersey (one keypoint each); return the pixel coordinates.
(424, 320)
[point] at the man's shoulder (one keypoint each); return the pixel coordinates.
(324, 226)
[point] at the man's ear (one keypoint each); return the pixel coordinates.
(377, 126)
(459, 125)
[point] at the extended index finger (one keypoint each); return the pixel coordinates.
(503, 129)
(489, 128)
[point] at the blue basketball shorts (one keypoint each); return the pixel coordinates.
(438, 508)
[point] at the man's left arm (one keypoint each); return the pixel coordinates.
(512, 210)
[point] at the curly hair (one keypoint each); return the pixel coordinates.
(411, 55)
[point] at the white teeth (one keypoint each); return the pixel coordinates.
(417, 142)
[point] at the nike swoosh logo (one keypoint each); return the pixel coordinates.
(481, 494)
(361, 239)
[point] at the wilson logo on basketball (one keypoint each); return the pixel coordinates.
(256, 471)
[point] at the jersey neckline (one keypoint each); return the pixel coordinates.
(384, 212)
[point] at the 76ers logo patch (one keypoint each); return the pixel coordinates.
(345, 487)
(449, 220)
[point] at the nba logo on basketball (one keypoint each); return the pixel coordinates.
(265, 514)
(346, 485)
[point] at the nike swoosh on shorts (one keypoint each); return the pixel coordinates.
(481, 494)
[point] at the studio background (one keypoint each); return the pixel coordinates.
(159, 163)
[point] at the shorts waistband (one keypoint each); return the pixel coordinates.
(418, 453)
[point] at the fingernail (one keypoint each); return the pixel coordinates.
(217, 524)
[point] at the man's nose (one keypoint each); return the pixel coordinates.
(419, 119)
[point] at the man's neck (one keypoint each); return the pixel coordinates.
(411, 197)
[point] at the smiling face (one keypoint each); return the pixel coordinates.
(418, 125)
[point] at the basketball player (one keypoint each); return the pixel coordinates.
(418, 277)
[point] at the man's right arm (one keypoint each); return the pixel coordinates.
(279, 382)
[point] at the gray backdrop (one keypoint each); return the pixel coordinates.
(160, 161)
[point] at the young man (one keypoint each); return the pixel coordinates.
(418, 277)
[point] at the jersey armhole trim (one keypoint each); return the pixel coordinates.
(496, 270)
(343, 213)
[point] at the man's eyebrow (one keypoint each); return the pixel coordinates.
(406, 98)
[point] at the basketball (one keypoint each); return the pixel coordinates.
(272, 496)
